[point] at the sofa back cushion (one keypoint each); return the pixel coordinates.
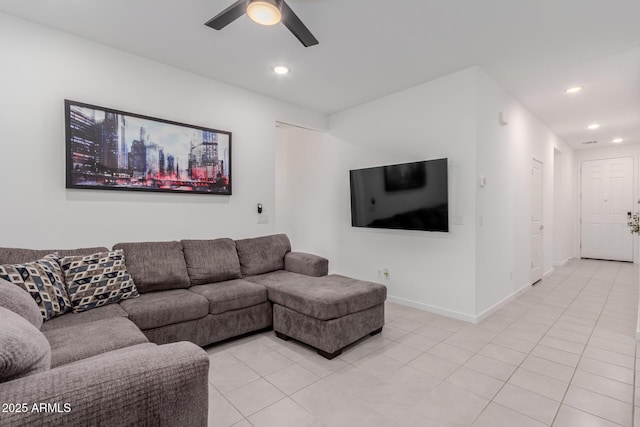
(20, 255)
(262, 254)
(210, 261)
(15, 298)
(24, 350)
(156, 266)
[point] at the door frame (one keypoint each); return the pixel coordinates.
(531, 279)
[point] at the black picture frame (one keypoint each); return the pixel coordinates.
(108, 149)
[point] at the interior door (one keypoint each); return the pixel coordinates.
(537, 227)
(606, 202)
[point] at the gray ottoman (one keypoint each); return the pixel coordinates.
(328, 312)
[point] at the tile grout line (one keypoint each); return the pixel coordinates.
(492, 400)
(246, 418)
(557, 285)
(583, 350)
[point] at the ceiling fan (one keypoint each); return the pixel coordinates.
(265, 12)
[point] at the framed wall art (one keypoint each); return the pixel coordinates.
(115, 150)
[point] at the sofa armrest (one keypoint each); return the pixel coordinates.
(160, 386)
(311, 265)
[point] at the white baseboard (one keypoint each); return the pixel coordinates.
(497, 306)
(433, 309)
(548, 273)
(457, 314)
(562, 263)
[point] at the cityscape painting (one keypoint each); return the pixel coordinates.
(115, 150)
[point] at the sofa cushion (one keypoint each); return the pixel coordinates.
(262, 254)
(44, 281)
(15, 298)
(231, 295)
(98, 279)
(210, 261)
(72, 319)
(81, 341)
(156, 309)
(21, 255)
(324, 298)
(156, 266)
(24, 350)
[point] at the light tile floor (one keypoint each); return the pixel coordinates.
(562, 354)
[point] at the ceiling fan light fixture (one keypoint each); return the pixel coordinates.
(265, 12)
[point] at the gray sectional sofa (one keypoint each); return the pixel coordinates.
(138, 362)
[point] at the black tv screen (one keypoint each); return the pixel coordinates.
(407, 196)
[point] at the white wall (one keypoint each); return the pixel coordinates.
(481, 262)
(41, 67)
(434, 271)
(505, 154)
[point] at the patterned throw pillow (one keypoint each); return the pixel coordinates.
(43, 280)
(97, 280)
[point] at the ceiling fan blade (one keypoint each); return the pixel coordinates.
(228, 15)
(295, 25)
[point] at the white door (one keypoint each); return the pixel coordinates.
(606, 203)
(537, 228)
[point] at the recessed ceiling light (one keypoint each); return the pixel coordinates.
(574, 89)
(593, 126)
(281, 69)
(617, 140)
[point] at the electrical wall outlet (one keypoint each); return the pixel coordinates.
(383, 273)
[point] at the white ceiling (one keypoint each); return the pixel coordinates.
(371, 48)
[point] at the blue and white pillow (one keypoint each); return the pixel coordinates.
(43, 280)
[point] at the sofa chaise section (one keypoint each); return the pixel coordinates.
(328, 312)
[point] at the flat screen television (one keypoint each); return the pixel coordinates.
(407, 196)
